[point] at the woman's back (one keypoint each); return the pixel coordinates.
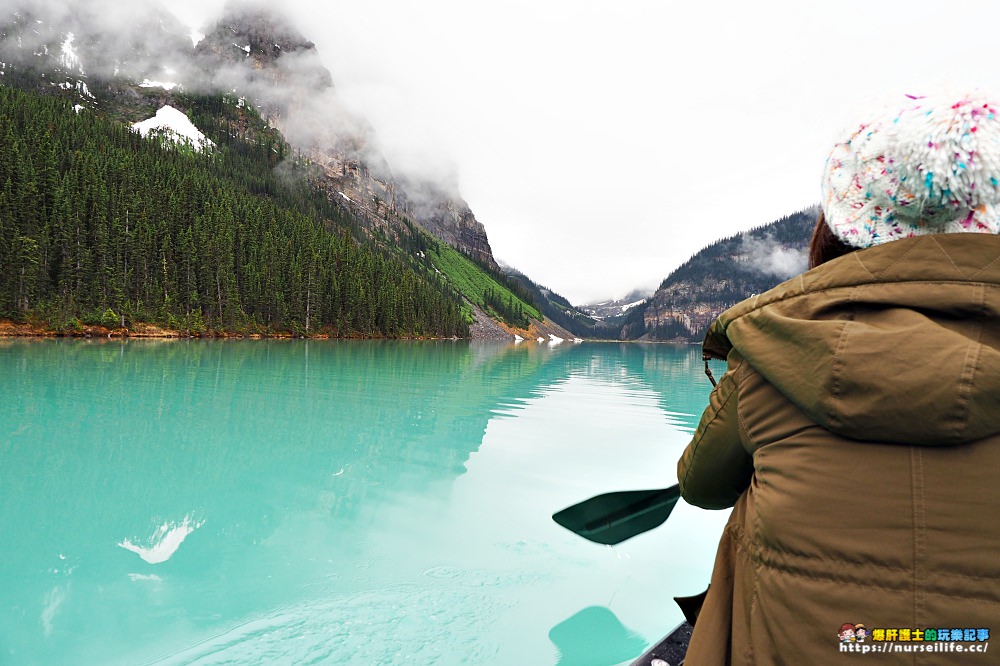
(865, 396)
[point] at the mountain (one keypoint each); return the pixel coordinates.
(257, 51)
(102, 228)
(559, 310)
(618, 307)
(720, 276)
(259, 122)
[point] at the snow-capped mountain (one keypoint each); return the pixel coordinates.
(616, 307)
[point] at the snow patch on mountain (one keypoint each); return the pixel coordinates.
(146, 83)
(80, 87)
(175, 126)
(69, 58)
(615, 307)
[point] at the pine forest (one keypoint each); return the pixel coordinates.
(100, 226)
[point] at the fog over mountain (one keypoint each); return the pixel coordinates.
(625, 136)
(257, 52)
(768, 256)
(149, 41)
(250, 73)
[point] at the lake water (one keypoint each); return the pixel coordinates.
(334, 502)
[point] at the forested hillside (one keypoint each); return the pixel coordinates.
(560, 311)
(484, 287)
(101, 226)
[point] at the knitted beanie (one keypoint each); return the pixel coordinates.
(931, 167)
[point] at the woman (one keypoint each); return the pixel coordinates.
(856, 431)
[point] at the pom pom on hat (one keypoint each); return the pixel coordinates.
(931, 167)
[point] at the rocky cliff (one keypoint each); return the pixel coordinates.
(258, 52)
(720, 276)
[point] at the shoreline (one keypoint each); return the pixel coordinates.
(10, 329)
(143, 331)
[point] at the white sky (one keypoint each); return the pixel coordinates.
(602, 143)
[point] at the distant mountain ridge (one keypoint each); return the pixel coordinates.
(560, 311)
(720, 276)
(715, 278)
(616, 307)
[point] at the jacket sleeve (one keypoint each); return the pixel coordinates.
(715, 469)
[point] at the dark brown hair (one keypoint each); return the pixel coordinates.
(824, 245)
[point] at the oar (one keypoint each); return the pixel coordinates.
(614, 517)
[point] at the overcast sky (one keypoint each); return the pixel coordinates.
(603, 143)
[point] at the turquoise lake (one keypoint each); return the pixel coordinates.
(339, 502)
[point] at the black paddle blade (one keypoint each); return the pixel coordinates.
(614, 517)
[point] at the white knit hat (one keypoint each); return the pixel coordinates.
(931, 167)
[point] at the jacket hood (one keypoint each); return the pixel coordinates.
(897, 343)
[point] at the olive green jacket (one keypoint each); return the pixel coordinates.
(857, 433)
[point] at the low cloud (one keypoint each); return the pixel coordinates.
(151, 41)
(109, 39)
(768, 256)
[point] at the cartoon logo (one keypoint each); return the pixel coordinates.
(846, 633)
(860, 633)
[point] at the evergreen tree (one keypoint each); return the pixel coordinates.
(100, 225)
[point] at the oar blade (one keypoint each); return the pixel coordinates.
(615, 517)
